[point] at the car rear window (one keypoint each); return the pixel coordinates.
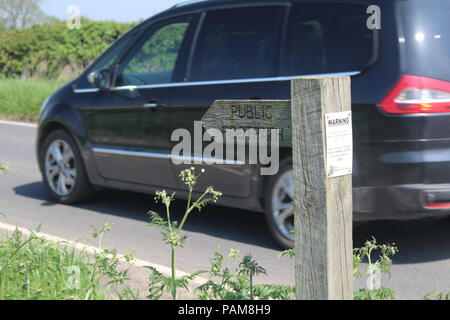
(328, 38)
(426, 38)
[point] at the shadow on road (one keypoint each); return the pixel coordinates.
(418, 241)
(231, 224)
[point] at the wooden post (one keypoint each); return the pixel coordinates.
(323, 190)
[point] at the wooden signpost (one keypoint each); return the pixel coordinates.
(251, 114)
(317, 123)
(323, 200)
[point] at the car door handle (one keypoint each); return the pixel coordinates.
(153, 105)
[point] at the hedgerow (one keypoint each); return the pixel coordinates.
(54, 51)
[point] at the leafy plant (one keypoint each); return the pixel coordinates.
(32, 268)
(250, 268)
(105, 271)
(223, 284)
(159, 284)
(441, 296)
(172, 235)
(375, 269)
(374, 294)
(290, 253)
(4, 168)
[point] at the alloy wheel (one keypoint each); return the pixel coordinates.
(283, 205)
(60, 168)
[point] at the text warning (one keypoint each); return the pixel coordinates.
(339, 144)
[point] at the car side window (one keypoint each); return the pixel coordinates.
(153, 59)
(107, 59)
(238, 43)
(328, 38)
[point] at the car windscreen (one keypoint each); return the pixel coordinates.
(426, 37)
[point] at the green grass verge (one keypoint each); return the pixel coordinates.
(22, 99)
(34, 269)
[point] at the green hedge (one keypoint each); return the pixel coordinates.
(49, 51)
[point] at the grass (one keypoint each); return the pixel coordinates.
(22, 99)
(34, 269)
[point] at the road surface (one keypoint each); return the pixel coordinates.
(422, 265)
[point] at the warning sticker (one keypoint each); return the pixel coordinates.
(339, 141)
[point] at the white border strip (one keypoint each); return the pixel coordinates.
(93, 250)
(17, 123)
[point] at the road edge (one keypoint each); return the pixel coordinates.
(17, 123)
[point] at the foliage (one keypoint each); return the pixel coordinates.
(105, 271)
(441, 296)
(250, 268)
(159, 284)
(374, 269)
(171, 234)
(374, 294)
(22, 99)
(4, 168)
(32, 268)
(223, 284)
(22, 13)
(160, 52)
(290, 253)
(42, 51)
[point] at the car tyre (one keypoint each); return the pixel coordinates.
(279, 206)
(63, 170)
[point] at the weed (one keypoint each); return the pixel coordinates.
(374, 270)
(441, 296)
(32, 268)
(172, 235)
(224, 284)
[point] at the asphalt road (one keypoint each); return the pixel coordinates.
(422, 265)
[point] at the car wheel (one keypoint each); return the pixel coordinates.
(63, 169)
(279, 205)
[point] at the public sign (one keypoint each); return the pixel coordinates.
(251, 114)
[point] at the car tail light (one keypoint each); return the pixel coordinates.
(442, 205)
(413, 94)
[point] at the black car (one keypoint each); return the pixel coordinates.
(112, 126)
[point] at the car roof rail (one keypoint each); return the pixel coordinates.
(186, 3)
